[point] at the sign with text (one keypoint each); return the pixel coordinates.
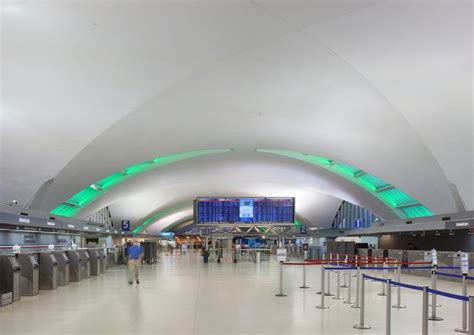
(126, 225)
(434, 256)
(281, 255)
(464, 262)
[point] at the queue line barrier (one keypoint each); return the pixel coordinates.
(426, 290)
(386, 291)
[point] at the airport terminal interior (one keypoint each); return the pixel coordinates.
(260, 167)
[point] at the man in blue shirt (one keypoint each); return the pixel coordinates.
(135, 258)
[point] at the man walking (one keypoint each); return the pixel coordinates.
(135, 257)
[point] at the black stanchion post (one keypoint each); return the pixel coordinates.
(362, 324)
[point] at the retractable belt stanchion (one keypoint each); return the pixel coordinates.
(388, 308)
(344, 274)
(349, 288)
(338, 286)
(322, 306)
(471, 315)
(424, 318)
(281, 294)
(304, 278)
(463, 328)
(433, 316)
(382, 293)
(399, 289)
(464, 258)
(362, 324)
(357, 302)
(328, 286)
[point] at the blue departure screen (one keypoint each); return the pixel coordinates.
(233, 210)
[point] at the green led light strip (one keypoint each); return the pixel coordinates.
(91, 193)
(402, 204)
(160, 215)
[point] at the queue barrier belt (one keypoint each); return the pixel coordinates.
(449, 295)
(412, 287)
(419, 288)
(374, 278)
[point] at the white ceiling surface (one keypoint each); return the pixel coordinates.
(318, 192)
(380, 85)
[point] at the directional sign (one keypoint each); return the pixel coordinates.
(126, 225)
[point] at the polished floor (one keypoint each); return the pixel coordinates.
(181, 295)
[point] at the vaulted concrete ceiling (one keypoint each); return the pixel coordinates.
(91, 88)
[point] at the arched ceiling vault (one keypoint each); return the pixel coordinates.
(379, 85)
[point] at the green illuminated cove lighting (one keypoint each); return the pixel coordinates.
(159, 215)
(86, 196)
(402, 204)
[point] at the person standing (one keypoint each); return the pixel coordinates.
(135, 257)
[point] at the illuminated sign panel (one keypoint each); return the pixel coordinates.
(244, 210)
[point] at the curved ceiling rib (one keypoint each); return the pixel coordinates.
(401, 203)
(80, 200)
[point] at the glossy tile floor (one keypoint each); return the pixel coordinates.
(181, 295)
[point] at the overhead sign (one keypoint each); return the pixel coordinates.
(460, 224)
(126, 225)
(281, 255)
(303, 230)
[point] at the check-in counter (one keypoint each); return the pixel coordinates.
(399, 255)
(29, 281)
(94, 262)
(419, 256)
(48, 271)
(85, 264)
(75, 266)
(63, 268)
(10, 278)
(364, 253)
(102, 261)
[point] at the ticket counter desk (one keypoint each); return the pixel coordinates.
(75, 266)
(10, 277)
(85, 264)
(63, 267)
(29, 273)
(48, 271)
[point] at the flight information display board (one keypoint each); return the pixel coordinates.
(244, 210)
